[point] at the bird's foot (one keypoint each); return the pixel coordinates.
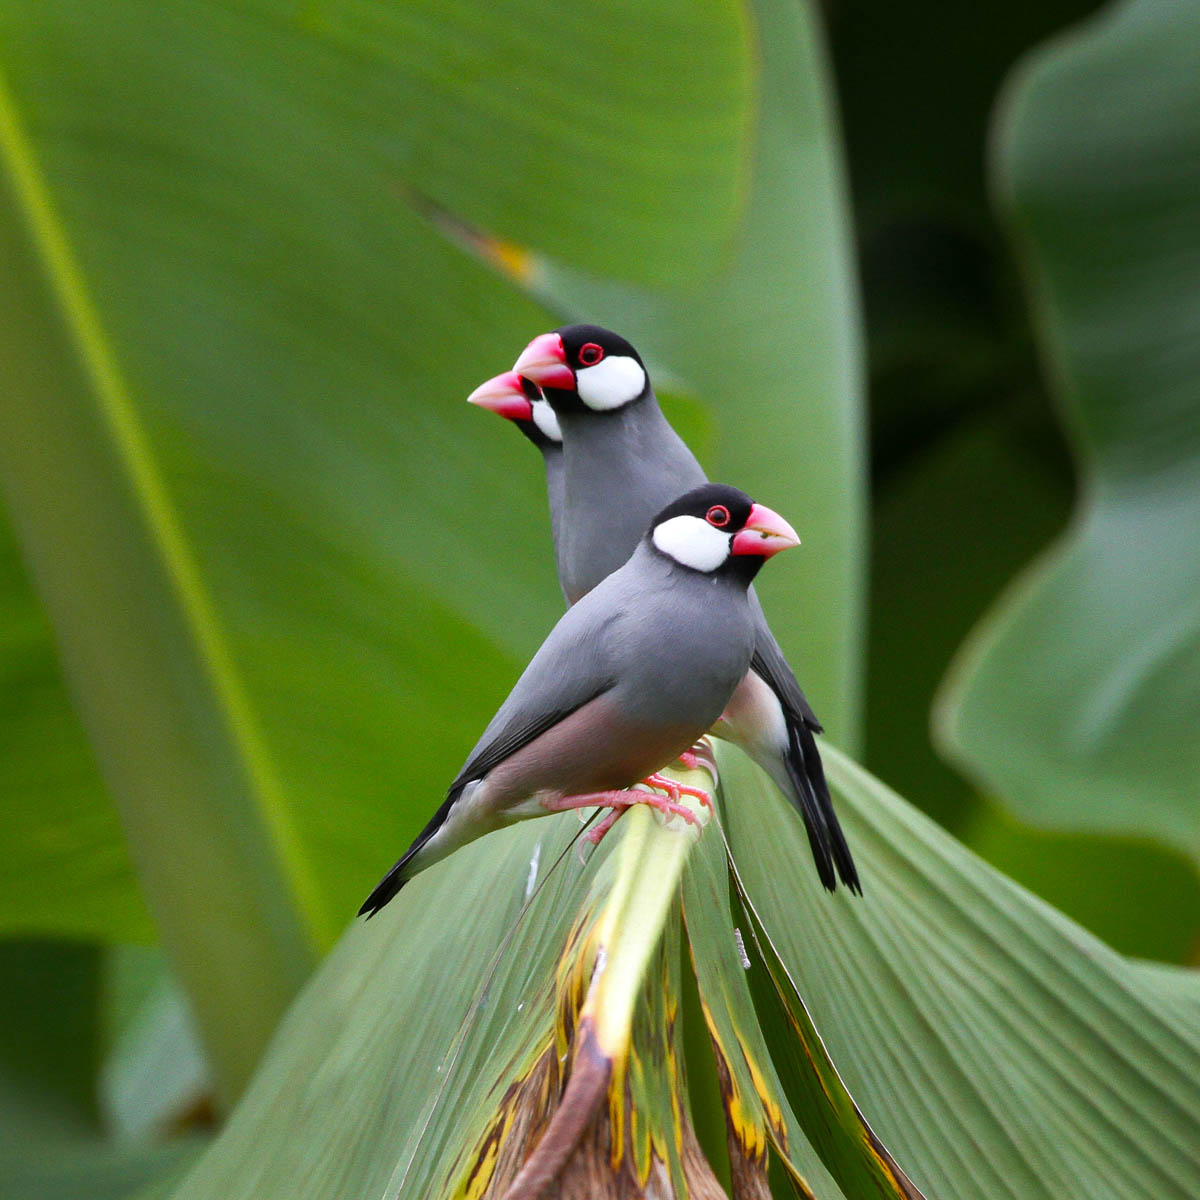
(674, 789)
(670, 802)
(620, 801)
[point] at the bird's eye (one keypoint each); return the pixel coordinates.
(718, 515)
(590, 354)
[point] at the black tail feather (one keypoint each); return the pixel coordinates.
(829, 848)
(395, 879)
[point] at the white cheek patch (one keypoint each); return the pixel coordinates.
(610, 383)
(546, 421)
(692, 542)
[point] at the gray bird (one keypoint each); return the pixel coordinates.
(630, 677)
(619, 463)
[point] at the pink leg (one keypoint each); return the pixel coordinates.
(595, 836)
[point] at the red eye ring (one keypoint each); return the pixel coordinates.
(590, 354)
(717, 516)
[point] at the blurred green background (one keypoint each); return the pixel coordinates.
(263, 576)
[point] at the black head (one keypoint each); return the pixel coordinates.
(718, 530)
(584, 368)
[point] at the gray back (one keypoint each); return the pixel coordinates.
(665, 643)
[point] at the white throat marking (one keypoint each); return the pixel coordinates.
(546, 420)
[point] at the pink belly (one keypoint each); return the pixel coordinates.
(594, 749)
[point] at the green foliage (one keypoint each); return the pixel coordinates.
(71, 839)
(1075, 701)
(267, 577)
(57, 1004)
(971, 474)
(994, 1046)
(379, 1036)
(236, 437)
(961, 1012)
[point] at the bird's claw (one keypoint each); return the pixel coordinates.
(595, 836)
(675, 790)
(701, 758)
(622, 800)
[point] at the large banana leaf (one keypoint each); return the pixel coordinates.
(996, 1048)
(940, 556)
(542, 1005)
(234, 348)
(394, 1057)
(1076, 698)
(489, 981)
(1153, 913)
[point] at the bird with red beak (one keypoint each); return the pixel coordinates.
(627, 681)
(620, 463)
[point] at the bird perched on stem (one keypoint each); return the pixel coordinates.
(620, 461)
(627, 681)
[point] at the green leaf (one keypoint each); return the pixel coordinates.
(629, 119)
(995, 1047)
(94, 1169)
(51, 1035)
(405, 1015)
(431, 1043)
(64, 867)
(939, 555)
(772, 347)
(757, 1109)
(1075, 700)
(1153, 913)
(233, 398)
(852, 1151)
(154, 1076)
(50, 1040)
(949, 530)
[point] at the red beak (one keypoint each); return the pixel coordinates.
(765, 533)
(545, 362)
(505, 396)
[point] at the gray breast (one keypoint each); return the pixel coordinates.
(682, 642)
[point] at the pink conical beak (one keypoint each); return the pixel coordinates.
(503, 395)
(765, 533)
(544, 361)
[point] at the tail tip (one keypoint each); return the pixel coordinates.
(383, 894)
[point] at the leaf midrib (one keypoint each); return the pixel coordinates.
(116, 408)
